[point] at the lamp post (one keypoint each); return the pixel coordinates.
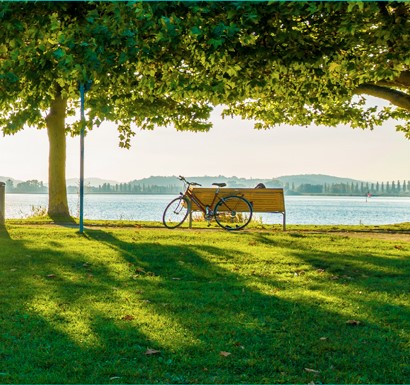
(2, 203)
(83, 88)
(82, 93)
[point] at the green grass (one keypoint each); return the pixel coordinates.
(85, 308)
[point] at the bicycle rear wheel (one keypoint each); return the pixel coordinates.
(176, 212)
(233, 213)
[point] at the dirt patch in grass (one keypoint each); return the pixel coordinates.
(377, 234)
(387, 236)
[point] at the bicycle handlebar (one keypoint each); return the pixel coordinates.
(188, 183)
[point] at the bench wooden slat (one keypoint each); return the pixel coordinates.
(267, 200)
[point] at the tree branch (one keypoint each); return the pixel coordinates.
(398, 98)
(403, 81)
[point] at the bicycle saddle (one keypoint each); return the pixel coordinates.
(219, 184)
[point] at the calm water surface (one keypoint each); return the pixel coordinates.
(321, 210)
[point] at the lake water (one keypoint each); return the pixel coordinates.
(320, 210)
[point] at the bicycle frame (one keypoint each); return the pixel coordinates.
(204, 208)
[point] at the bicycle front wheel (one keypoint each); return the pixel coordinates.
(176, 212)
(233, 213)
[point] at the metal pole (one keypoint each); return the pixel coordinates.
(2, 203)
(82, 159)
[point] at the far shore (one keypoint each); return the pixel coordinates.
(286, 194)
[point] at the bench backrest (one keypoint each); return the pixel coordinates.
(262, 200)
(266, 200)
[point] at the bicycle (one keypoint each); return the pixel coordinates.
(231, 212)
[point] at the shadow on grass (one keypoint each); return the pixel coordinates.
(91, 319)
(63, 220)
(348, 264)
(3, 232)
(347, 258)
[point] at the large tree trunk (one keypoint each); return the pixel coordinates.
(57, 190)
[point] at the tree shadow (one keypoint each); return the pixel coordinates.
(63, 220)
(186, 300)
(3, 232)
(49, 332)
(341, 262)
(253, 315)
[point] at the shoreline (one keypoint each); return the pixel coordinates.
(407, 195)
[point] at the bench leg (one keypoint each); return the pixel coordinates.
(190, 213)
(284, 221)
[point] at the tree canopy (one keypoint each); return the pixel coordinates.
(125, 50)
(302, 63)
(162, 63)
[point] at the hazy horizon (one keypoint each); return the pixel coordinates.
(231, 148)
(190, 177)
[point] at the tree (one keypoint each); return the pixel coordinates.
(30, 186)
(9, 185)
(127, 50)
(310, 189)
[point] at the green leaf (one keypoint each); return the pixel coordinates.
(123, 58)
(215, 42)
(58, 53)
(196, 31)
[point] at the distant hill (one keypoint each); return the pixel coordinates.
(315, 179)
(6, 178)
(93, 182)
(205, 181)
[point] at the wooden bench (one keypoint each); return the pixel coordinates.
(264, 200)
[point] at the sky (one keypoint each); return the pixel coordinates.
(231, 148)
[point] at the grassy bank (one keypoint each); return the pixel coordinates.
(150, 305)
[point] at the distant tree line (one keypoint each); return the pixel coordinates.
(353, 188)
(28, 187)
(131, 188)
(393, 188)
(38, 187)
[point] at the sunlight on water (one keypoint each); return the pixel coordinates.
(317, 210)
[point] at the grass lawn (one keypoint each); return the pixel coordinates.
(151, 305)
